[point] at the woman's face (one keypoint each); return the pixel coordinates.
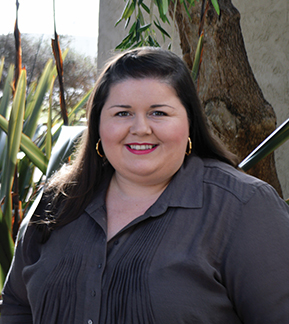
(144, 130)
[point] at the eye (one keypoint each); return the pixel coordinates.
(123, 114)
(158, 113)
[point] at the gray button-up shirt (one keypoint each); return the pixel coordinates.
(213, 249)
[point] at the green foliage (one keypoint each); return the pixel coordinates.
(12, 146)
(216, 6)
(27, 144)
(145, 24)
(142, 32)
(197, 59)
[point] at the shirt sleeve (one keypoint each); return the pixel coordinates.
(15, 306)
(256, 267)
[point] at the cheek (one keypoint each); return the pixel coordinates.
(106, 129)
(112, 135)
(178, 134)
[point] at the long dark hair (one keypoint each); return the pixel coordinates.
(73, 187)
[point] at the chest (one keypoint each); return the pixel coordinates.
(160, 270)
(121, 212)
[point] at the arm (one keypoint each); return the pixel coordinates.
(256, 268)
(15, 307)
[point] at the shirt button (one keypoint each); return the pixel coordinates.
(89, 321)
(99, 265)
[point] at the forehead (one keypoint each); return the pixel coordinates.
(142, 84)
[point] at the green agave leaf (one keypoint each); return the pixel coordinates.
(48, 141)
(28, 147)
(55, 132)
(7, 92)
(60, 152)
(63, 147)
(35, 155)
(216, 6)
(271, 143)
(13, 143)
(3, 138)
(33, 112)
(31, 91)
(6, 249)
(79, 105)
(197, 59)
(25, 179)
(1, 67)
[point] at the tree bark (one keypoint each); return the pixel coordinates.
(233, 101)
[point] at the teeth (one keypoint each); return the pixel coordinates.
(141, 147)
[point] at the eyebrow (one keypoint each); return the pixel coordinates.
(152, 106)
(120, 106)
(162, 105)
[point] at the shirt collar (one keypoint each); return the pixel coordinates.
(184, 191)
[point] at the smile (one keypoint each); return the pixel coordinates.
(140, 149)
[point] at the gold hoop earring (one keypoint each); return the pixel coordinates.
(97, 148)
(190, 147)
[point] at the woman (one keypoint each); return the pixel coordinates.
(152, 223)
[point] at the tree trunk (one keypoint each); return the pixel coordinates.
(231, 97)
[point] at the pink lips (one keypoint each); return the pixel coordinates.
(141, 148)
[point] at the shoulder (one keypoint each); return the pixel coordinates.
(254, 204)
(224, 177)
(203, 181)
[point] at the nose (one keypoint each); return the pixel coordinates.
(140, 126)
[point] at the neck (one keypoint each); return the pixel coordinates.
(134, 190)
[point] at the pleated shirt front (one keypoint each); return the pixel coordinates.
(213, 249)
